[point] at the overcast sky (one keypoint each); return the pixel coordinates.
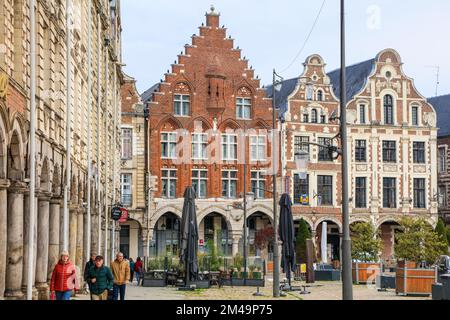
(272, 32)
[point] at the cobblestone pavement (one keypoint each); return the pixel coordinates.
(319, 291)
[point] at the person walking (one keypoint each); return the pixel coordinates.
(138, 269)
(121, 271)
(131, 270)
(64, 278)
(87, 267)
(101, 280)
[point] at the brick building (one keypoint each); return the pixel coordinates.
(206, 103)
(393, 143)
(442, 106)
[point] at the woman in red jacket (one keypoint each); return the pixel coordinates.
(64, 278)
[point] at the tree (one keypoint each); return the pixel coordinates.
(263, 237)
(448, 235)
(366, 242)
(442, 232)
(418, 241)
(303, 234)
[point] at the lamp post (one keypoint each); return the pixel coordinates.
(347, 286)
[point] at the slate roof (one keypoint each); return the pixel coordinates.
(442, 106)
(357, 75)
(147, 95)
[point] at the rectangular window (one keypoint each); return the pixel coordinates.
(305, 118)
(362, 114)
(257, 148)
(360, 151)
(243, 108)
(323, 119)
(168, 145)
(229, 147)
(415, 116)
(389, 193)
(389, 151)
(324, 154)
(325, 190)
(419, 194)
(419, 152)
(199, 182)
(182, 104)
(199, 146)
(169, 183)
(301, 190)
(442, 160)
(127, 143)
(258, 184)
(360, 193)
(126, 195)
(229, 184)
(442, 196)
(301, 143)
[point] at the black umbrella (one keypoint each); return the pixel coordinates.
(189, 236)
(287, 236)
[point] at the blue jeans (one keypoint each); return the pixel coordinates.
(63, 295)
(119, 288)
(138, 277)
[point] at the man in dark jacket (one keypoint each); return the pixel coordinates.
(100, 279)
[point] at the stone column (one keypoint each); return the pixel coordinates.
(94, 231)
(42, 246)
(235, 247)
(61, 228)
(14, 254)
(4, 184)
(73, 230)
(79, 258)
(26, 244)
(54, 236)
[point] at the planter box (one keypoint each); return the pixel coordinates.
(201, 284)
(153, 283)
(154, 279)
(327, 275)
(412, 281)
(386, 282)
(364, 272)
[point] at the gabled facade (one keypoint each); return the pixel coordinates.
(199, 115)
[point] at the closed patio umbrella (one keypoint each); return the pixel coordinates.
(189, 236)
(287, 236)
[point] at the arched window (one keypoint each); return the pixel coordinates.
(314, 116)
(319, 95)
(388, 109)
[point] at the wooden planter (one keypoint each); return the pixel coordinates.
(364, 272)
(413, 281)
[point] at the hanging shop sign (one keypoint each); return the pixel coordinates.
(116, 213)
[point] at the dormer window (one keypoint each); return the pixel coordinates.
(182, 103)
(314, 116)
(243, 108)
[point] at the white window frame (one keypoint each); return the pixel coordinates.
(258, 142)
(229, 145)
(126, 138)
(199, 146)
(229, 180)
(124, 184)
(243, 105)
(169, 178)
(198, 178)
(171, 142)
(185, 104)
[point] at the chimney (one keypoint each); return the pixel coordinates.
(212, 18)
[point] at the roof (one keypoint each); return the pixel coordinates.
(147, 95)
(357, 75)
(442, 106)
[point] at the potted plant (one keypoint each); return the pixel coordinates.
(366, 246)
(417, 245)
(156, 275)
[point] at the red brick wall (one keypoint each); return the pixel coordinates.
(213, 73)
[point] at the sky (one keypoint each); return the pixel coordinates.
(271, 34)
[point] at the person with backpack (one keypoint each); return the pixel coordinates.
(138, 270)
(100, 279)
(131, 270)
(64, 278)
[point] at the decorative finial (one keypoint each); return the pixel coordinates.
(212, 8)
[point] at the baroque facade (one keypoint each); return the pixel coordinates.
(93, 103)
(392, 138)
